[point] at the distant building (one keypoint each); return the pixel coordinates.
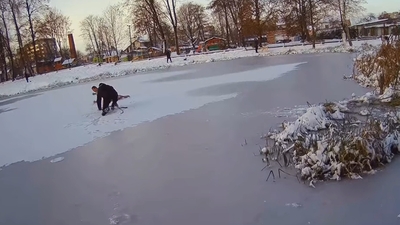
(46, 50)
(212, 44)
(376, 28)
(139, 43)
(138, 49)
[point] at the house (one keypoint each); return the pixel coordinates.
(68, 63)
(212, 44)
(58, 63)
(376, 28)
(139, 43)
(111, 57)
(155, 52)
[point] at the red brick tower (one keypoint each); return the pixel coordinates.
(72, 50)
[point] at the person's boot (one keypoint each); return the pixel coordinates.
(105, 111)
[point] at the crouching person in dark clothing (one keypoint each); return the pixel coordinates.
(108, 94)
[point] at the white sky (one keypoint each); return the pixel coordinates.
(79, 9)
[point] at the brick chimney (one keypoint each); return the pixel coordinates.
(72, 50)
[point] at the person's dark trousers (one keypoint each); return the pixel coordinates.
(114, 101)
(106, 103)
(169, 59)
(256, 49)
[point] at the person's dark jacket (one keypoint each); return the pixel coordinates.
(256, 43)
(106, 92)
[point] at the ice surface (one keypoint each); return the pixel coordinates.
(94, 72)
(61, 119)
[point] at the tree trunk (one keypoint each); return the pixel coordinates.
(176, 40)
(95, 40)
(303, 11)
(235, 22)
(157, 22)
(60, 48)
(175, 27)
(20, 44)
(32, 31)
(260, 28)
(8, 45)
(91, 41)
(3, 57)
(226, 23)
(312, 23)
(342, 13)
(347, 30)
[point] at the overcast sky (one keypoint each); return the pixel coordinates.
(79, 9)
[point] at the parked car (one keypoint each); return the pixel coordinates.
(283, 41)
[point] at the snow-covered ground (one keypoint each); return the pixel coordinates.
(93, 72)
(61, 119)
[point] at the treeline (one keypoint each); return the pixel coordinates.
(23, 22)
(169, 23)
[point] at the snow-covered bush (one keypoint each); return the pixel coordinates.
(378, 67)
(329, 142)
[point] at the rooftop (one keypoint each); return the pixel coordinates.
(371, 22)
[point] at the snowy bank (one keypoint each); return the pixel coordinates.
(336, 140)
(93, 72)
(378, 66)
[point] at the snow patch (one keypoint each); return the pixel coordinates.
(315, 118)
(56, 160)
(294, 205)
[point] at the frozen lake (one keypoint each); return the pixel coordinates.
(176, 156)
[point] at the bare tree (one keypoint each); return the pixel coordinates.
(3, 62)
(266, 16)
(317, 12)
(220, 7)
(113, 18)
(367, 18)
(142, 21)
(105, 37)
(191, 17)
(6, 36)
(170, 6)
(89, 27)
(54, 25)
(33, 8)
(149, 11)
(347, 9)
(295, 15)
(14, 7)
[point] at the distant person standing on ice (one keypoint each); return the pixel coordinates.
(108, 94)
(169, 56)
(256, 45)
